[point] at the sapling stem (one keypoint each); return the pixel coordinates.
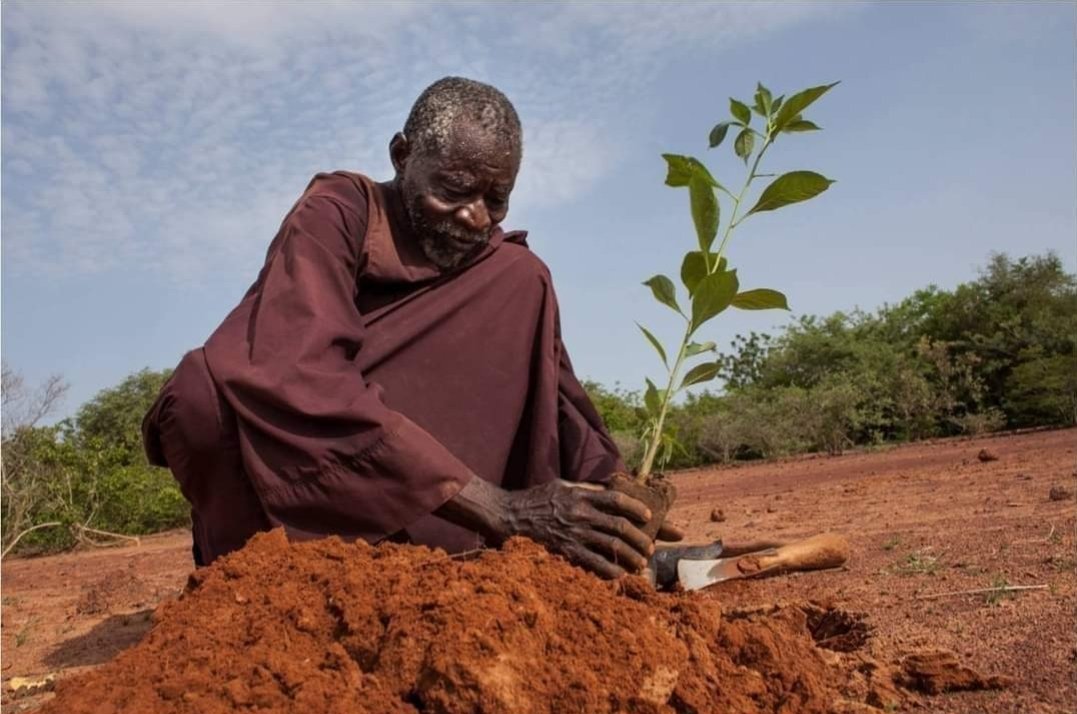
(655, 440)
(712, 287)
(733, 220)
(656, 433)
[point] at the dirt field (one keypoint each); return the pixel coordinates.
(923, 520)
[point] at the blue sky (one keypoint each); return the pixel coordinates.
(151, 149)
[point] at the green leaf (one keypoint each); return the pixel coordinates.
(761, 299)
(792, 187)
(777, 103)
(798, 103)
(713, 294)
(654, 341)
(744, 144)
(700, 373)
(694, 268)
(763, 104)
(671, 444)
(651, 400)
(800, 125)
(680, 447)
(718, 133)
(704, 211)
(664, 292)
(695, 348)
(681, 169)
(740, 111)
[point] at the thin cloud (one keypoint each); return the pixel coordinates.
(173, 137)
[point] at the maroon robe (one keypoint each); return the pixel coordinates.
(355, 389)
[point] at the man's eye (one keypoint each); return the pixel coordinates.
(455, 192)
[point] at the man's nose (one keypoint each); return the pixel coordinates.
(474, 216)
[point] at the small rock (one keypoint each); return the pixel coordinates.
(771, 509)
(1059, 493)
(717, 515)
(27, 686)
(985, 456)
(170, 691)
(238, 692)
(305, 622)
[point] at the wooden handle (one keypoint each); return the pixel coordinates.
(827, 550)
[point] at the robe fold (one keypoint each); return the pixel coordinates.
(355, 388)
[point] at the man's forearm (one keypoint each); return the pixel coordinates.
(479, 506)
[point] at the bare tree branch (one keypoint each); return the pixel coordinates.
(11, 545)
(22, 408)
(108, 534)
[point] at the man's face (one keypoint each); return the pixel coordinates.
(456, 197)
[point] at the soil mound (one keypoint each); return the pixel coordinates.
(113, 591)
(328, 626)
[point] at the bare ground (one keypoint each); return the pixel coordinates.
(923, 519)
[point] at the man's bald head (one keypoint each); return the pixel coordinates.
(452, 102)
(456, 163)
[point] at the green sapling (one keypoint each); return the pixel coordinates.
(711, 284)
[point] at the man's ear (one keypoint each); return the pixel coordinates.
(399, 151)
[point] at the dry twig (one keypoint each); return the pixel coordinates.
(462, 555)
(1037, 540)
(980, 591)
(83, 530)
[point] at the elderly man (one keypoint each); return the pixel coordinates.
(397, 372)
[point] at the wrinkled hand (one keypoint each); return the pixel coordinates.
(587, 524)
(670, 532)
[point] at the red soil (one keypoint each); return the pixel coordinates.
(329, 626)
(299, 628)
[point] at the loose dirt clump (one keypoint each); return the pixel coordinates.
(901, 683)
(658, 493)
(111, 592)
(333, 627)
(1059, 493)
(749, 564)
(939, 671)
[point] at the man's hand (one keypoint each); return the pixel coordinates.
(586, 523)
(670, 532)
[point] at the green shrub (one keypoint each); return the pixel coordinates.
(995, 352)
(89, 472)
(1043, 390)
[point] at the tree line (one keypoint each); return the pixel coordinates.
(999, 352)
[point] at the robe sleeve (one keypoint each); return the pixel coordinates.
(588, 453)
(323, 451)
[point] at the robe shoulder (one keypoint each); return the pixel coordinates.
(346, 185)
(525, 262)
(346, 188)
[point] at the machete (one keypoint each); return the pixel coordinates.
(827, 550)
